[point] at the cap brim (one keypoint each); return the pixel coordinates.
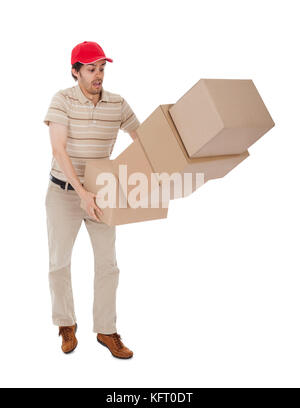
(98, 59)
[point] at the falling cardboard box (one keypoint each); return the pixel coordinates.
(122, 194)
(220, 117)
(166, 153)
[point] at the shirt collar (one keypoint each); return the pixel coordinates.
(83, 99)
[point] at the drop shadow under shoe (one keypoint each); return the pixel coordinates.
(114, 344)
(69, 341)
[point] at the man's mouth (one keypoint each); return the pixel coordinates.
(97, 84)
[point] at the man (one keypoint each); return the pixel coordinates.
(83, 121)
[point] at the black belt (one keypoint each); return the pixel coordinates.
(61, 183)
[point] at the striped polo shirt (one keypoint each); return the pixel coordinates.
(92, 130)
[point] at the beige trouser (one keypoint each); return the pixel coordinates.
(64, 218)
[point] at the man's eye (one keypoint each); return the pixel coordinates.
(92, 70)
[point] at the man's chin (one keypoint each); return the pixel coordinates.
(96, 91)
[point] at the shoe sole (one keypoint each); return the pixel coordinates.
(122, 358)
(71, 351)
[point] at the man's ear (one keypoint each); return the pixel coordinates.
(74, 72)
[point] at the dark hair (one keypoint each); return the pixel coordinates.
(77, 67)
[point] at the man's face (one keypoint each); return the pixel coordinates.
(90, 77)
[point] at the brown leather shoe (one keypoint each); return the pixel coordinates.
(69, 341)
(114, 344)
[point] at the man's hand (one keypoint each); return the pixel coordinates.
(89, 205)
(133, 134)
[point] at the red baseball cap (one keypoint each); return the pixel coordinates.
(88, 52)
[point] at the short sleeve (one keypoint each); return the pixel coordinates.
(57, 111)
(129, 121)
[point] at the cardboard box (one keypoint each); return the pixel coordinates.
(123, 211)
(136, 161)
(166, 152)
(220, 117)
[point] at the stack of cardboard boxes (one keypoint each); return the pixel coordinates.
(180, 146)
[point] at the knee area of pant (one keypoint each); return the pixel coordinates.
(106, 270)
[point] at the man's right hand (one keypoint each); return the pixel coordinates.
(88, 203)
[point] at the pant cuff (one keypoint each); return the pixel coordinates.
(104, 330)
(63, 323)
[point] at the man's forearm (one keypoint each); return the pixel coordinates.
(67, 167)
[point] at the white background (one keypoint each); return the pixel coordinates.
(208, 297)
